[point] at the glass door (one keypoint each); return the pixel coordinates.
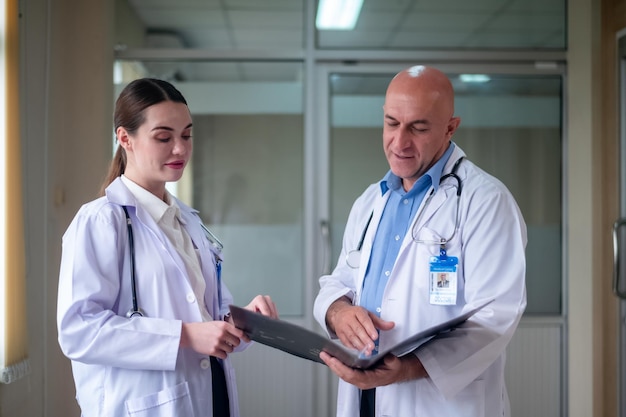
(511, 126)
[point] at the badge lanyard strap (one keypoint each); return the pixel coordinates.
(218, 245)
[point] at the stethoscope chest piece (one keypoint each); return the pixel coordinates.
(353, 259)
(134, 313)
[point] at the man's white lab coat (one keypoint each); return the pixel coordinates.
(465, 366)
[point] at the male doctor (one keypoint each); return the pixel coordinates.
(433, 213)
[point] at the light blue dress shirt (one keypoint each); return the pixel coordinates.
(397, 216)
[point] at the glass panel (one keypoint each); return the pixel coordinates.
(510, 127)
(246, 175)
(459, 24)
(224, 25)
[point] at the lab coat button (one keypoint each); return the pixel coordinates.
(191, 298)
(205, 363)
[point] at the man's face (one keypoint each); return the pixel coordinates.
(417, 130)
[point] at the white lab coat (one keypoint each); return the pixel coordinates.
(466, 366)
(135, 367)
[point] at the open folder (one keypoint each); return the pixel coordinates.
(308, 344)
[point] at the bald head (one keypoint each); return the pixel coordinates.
(425, 83)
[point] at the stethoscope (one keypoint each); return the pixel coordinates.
(135, 311)
(353, 257)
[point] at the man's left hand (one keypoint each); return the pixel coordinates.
(391, 370)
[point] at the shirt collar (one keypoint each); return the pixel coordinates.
(155, 207)
(392, 182)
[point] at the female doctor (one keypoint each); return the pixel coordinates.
(435, 238)
(142, 312)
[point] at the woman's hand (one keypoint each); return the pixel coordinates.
(214, 338)
(263, 304)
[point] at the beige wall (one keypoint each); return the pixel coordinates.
(67, 58)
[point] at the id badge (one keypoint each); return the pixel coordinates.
(443, 279)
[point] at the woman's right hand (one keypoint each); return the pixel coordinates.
(214, 338)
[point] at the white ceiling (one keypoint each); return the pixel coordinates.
(274, 24)
(278, 25)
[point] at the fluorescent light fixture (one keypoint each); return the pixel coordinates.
(337, 14)
(474, 78)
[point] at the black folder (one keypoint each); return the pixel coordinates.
(308, 344)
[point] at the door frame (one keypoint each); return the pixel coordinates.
(621, 82)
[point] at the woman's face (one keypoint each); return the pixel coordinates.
(160, 149)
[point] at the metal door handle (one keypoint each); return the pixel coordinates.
(618, 273)
(325, 229)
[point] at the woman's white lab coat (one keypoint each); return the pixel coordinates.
(465, 366)
(122, 366)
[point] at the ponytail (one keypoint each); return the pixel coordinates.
(116, 168)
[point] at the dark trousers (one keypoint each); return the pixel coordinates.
(221, 407)
(368, 401)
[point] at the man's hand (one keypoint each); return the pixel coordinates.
(355, 327)
(391, 370)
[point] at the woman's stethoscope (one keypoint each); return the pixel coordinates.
(135, 311)
(353, 257)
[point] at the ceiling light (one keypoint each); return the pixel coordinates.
(474, 78)
(337, 14)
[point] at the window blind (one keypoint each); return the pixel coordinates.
(13, 344)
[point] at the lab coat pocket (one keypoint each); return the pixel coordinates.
(428, 239)
(468, 403)
(171, 402)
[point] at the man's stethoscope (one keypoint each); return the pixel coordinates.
(135, 311)
(353, 257)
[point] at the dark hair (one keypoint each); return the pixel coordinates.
(129, 113)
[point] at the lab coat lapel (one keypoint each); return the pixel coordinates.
(192, 225)
(429, 208)
(447, 189)
(196, 234)
(118, 193)
(188, 218)
(378, 205)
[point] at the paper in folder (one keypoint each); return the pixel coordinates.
(308, 344)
